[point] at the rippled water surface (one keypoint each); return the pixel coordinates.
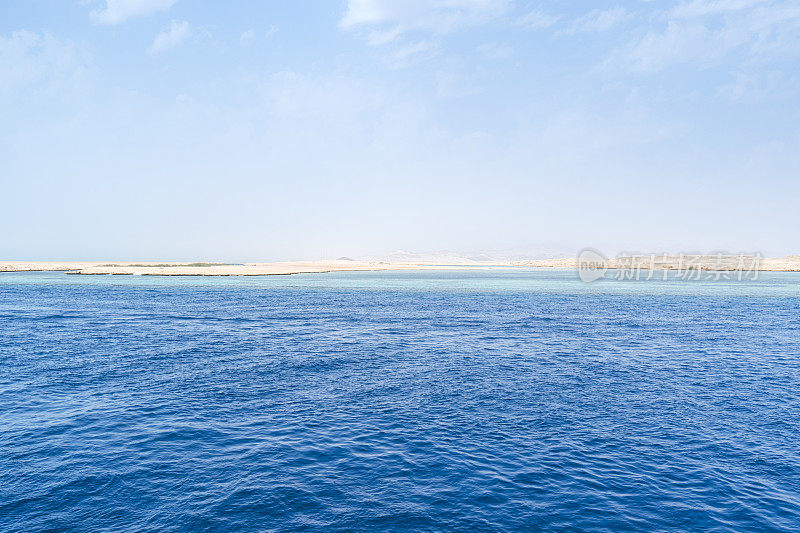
(469, 400)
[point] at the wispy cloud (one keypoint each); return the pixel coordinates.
(412, 52)
(766, 87)
(709, 32)
(696, 8)
(392, 18)
(409, 31)
(38, 59)
(171, 37)
(116, 11)
(495, 51)
(538, 20)
(598, 20)
(247, 36)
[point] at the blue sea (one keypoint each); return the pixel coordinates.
(469, 400)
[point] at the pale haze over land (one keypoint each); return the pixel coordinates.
(255, 131)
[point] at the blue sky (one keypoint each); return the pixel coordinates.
(177, 129)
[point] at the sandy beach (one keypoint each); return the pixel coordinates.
(201, 269)
(706, 262)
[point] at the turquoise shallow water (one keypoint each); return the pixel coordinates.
(768, 284)
(462, 400)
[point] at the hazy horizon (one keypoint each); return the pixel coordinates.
(174, 130)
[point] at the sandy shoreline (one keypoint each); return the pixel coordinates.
(247, 269)
(711, 263)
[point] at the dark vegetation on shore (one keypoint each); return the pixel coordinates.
(164, 265)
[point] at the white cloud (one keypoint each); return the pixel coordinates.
(697, 8)
(28, 58)
(707, 33)
(411, 53)
(171, 37)
(409, 29)
(678, 42)
(760, 87)
(599, 20)
(247, 36)
(395, 17)
(116, 11)
(538, 20)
